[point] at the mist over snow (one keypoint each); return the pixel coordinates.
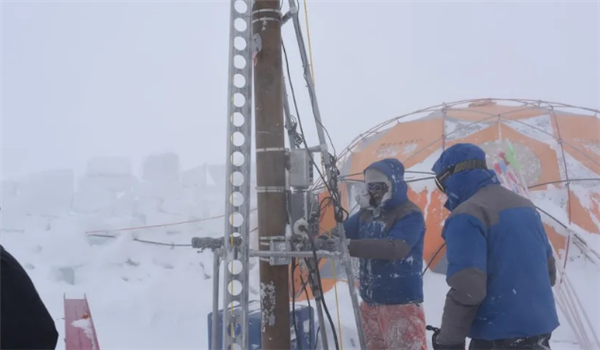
(158, 296)
(113, 122)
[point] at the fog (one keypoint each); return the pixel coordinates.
(83, 79)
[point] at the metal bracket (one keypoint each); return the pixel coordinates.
(280, 247)
(278, 244)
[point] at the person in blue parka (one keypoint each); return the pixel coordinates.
(500, 264)
(387, 234)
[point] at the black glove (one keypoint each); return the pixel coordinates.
(436, 346)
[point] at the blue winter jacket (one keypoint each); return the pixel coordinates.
(495, 239)
(390, 282)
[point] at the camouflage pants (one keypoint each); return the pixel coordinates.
(393, 327)
(540, 342)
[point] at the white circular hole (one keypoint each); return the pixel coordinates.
(237, 158)
(236, 220)
(233, 331)
(239, 61)
(235, 267)
(240, 6)
(239, 43)
(240, 25)
(237, 138)
(233, 305)
(236, 346)
(237, 178)
(237, 119)
(239, 81)
(239, 100)
(237, 199)
(234, 287)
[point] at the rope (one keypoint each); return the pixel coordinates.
(172, 245)
(312, 72)
(159, 225)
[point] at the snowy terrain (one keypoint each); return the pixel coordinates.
(154, 296)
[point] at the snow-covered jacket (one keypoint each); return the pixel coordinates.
(499, 257)
(26, 323)
(389, 242)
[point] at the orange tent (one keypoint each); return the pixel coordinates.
(552, 151)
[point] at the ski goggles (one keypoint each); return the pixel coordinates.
(458, 168)
(377, 187)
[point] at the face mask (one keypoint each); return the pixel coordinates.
(377, 187)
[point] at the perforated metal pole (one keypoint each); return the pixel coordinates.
(237, 207)
(215, 308)
(270, 170)
(327, 160)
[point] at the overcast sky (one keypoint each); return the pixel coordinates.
(83, 79)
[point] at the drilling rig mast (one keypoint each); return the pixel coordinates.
(284, 178)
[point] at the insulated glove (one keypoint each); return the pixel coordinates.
(437, 346)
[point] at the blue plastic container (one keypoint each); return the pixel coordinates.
(304, 319)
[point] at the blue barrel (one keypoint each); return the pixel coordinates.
(304, 319)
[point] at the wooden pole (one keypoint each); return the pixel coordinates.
(270, 169)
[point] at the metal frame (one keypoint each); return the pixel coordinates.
(327, 161)
(237, 207)
(217, 257)
(238, 193)
(347, 152)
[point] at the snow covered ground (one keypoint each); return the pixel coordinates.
(158, 297)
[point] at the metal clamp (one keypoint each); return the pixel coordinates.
(280, 245)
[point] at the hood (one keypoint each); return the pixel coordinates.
(461, 186)
(394, 170)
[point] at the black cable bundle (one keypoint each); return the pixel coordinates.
(310, 319)
(294, 304)
(334, 196)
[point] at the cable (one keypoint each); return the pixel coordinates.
(159, 225)
(153, 242)
(322, 297)
(312, 67)
(328, 136)
(311, 324)
(310, 309)
(145, 241)
(161, 243)
(432, 259)
(340, 214)
(335, 195)
(294, 304)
